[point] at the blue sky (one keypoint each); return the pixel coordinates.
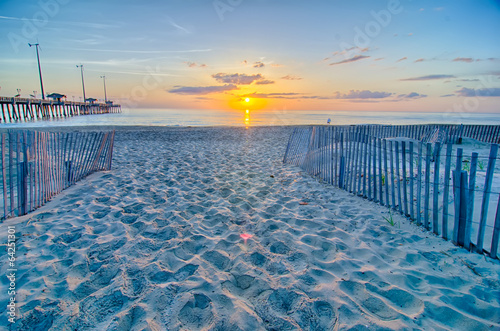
(281, 54)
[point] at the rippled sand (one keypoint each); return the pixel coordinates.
(154, 244)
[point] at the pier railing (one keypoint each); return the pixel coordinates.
(27, 109)
(37, 165)
(430, 181)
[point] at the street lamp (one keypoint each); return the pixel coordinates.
(105, 96)
(83, 82)
(39, 69)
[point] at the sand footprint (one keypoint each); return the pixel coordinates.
(217, 259)
(197, 312)
(366, 302)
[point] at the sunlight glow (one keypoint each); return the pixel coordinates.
(247, 99)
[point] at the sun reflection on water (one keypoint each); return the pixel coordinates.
(247, 118)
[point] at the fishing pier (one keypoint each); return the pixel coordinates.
(30, 109)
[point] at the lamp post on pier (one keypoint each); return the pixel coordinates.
(105, 96)
(39, 68)
(83, 82)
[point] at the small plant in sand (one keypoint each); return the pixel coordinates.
(383, 179)
(480, 164)
(390, 220)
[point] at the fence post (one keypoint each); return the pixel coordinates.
(400, 204)
(412, 211)
(427, 185)
(470, 200)
(456, 193)
(391, 160)
(446, 192)
(419, 183)
(486, 197)
(461, 219)
(22, 187)
(496, 233)
(386, 175)
(405, 186)
(342, 161)
(435, 206)
(380, 170)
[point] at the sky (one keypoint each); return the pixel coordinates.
(373, 55)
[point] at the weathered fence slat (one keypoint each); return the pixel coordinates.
(446, 192)
(405, 188)
(435, 189)
(496, 232)
(412, 210)
(427, 185)
(388, 203)
(470, 200)
(393, 191)
(398, 178)
(486, 196)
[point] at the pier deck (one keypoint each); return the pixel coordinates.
(28, 109)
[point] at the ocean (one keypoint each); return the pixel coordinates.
(198, 117)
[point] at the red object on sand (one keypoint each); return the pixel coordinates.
(246, 236)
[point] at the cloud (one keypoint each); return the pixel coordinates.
(402, 59)
(419, 60)
(194, 65)
(448, 95)
(202, 90)
(352, 59)
(290, 77)
(288, 95)
(348, 50)
(258, 64)
(238, 79)
(244, 62)
(276, 65)
(365, 94)
(178, 27)
(463, 59)
(264, 82)
(380, 58)
(412, 95)
(468, 80)
(428, 77)
(483, 92)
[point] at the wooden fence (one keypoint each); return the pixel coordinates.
(431, 182)
(37, 165)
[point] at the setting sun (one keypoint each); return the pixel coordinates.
(247, 99)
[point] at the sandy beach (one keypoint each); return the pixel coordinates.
(155, 244)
